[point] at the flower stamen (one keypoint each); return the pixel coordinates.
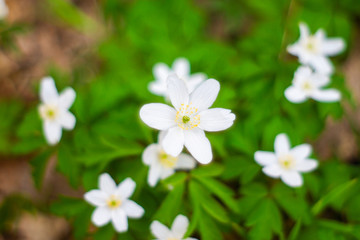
(186, 117)
(113, 202)
(167, 160)
(287, 162)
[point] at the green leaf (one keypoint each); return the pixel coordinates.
(38, 167)
(295, 230)
(208, 229)
(220, 190)
(292, 202)
(211, 170)
(265, 216)
(170, 206)
(336, 194)
(209, 204)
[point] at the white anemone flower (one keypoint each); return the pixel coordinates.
(54, 110)
(177, 231)
(286, 163)
(4, 10)
(180, 67)
(163, 165)
(314, 49)
(190, 117)
(308, 84)
(113, 204)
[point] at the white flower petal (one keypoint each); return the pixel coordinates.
(190, 238)
(205, 94)
(126, 188)
(158, 88)
(101, 216)
(322, 65)
(295, 95)
(48, 92)
(306, 165)
(294, 49)
(320, 80)
(4, 10)
(67, 120)
(198, 145)
(158, 116)
(185, 161)
(96, 198)
(177, 90)
(292, 178)
(119, 220)
(194, 81)
(327, 95)
(173, 142)
(150, 154)
(302, 151)
(161, 72)
(273, 171)
(304, 31)
(159, 230)
(132, 209)
(67, 98)
(265, 158)
(302, 72)
(333, 46)
(52, 131)
(166, 172)
(282, 144)
(181, 67)
(179, 226)
(107, 184)
(161, 136)
(154, 174)
(216, 119)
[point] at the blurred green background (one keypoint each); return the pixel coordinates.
(106, 49)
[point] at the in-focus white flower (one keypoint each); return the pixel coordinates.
(4, 10)
(308, 84)
(314, 49)
(163, 165)
(113, 204)
(181, 67)
(186, 122)
(177, 231)
(286, 163)
(54, 110)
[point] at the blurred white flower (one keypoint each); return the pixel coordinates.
(113, 204)
(54, 110)
(4, 10)
(308, 84)
(286, 163)
(314, 49)
(180, 67)
(186, 122)
(163, 165)
(177, 231)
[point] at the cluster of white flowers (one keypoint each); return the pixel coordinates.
(184, 124)
(314, 74)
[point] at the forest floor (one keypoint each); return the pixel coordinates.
(44, 42)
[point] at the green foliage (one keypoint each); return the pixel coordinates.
(243, 45)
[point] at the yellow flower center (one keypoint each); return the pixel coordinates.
(172, 238)
(307, 86)
(113, 202)
(167, 160)
(48, 112)
(311, 44)
(186, 117)
(287, 162)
